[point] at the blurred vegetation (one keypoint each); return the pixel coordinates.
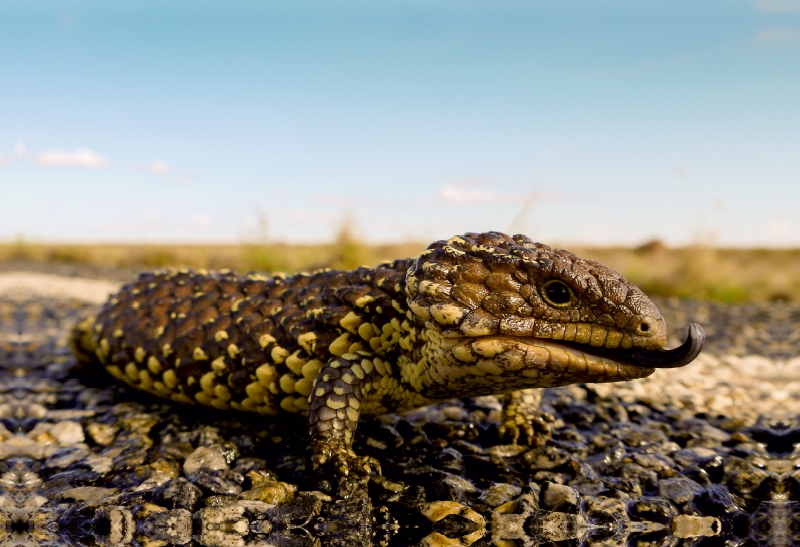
(706, 272)
(698, 271)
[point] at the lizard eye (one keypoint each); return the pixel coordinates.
(556, 293)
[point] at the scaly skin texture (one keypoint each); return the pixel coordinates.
(470, 316)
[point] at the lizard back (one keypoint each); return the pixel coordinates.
(244, 342)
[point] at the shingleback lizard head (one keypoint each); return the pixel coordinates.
(504, 306)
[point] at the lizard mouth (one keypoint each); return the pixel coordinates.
(543, 362)
(654, 358)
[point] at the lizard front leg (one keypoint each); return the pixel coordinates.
(335, 406)
(522, 414)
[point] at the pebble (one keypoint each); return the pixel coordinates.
(174, 526)
(179, 493)
(102, 434)
(678, 490)
(557, 497)
(689, 526)
(217, 482)
(222, 526)
(206, 458)
(67, 432)
(499, 494)
(268, 490)
(546, 457)
(705, 450)
(88, 493)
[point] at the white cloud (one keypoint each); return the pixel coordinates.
(308, 216)
(183, 177)
(780, 228)
(150, 216)
(197, 221)
(778, 6)
(162, 168)
(478, 191)
(20, 150)
(159, 167)
(474, 191)
(680, 173)
(777, 35)
(345, 201)
(79, 158)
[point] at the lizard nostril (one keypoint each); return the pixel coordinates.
(644, 327)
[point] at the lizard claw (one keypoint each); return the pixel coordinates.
(352, 470)
(534, 428)
(342, 459)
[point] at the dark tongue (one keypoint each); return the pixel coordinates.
(673, 358)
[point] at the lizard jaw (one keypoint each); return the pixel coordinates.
(652, 358)
(501, 363)
(513, 362)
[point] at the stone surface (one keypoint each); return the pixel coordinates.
(705, 451)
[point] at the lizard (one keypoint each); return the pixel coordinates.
(478, 314)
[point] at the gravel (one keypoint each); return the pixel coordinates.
(702, 455)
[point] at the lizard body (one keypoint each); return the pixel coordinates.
(478, 314)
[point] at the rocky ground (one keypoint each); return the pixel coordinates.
(703, 455)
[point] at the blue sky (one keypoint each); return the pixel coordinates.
(572, 122)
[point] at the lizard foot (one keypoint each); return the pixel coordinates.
(534, 428)
(342, 460)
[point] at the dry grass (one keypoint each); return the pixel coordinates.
(704, 272)
(700, 272)
(346, 252)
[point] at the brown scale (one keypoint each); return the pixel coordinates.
(465, 318)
